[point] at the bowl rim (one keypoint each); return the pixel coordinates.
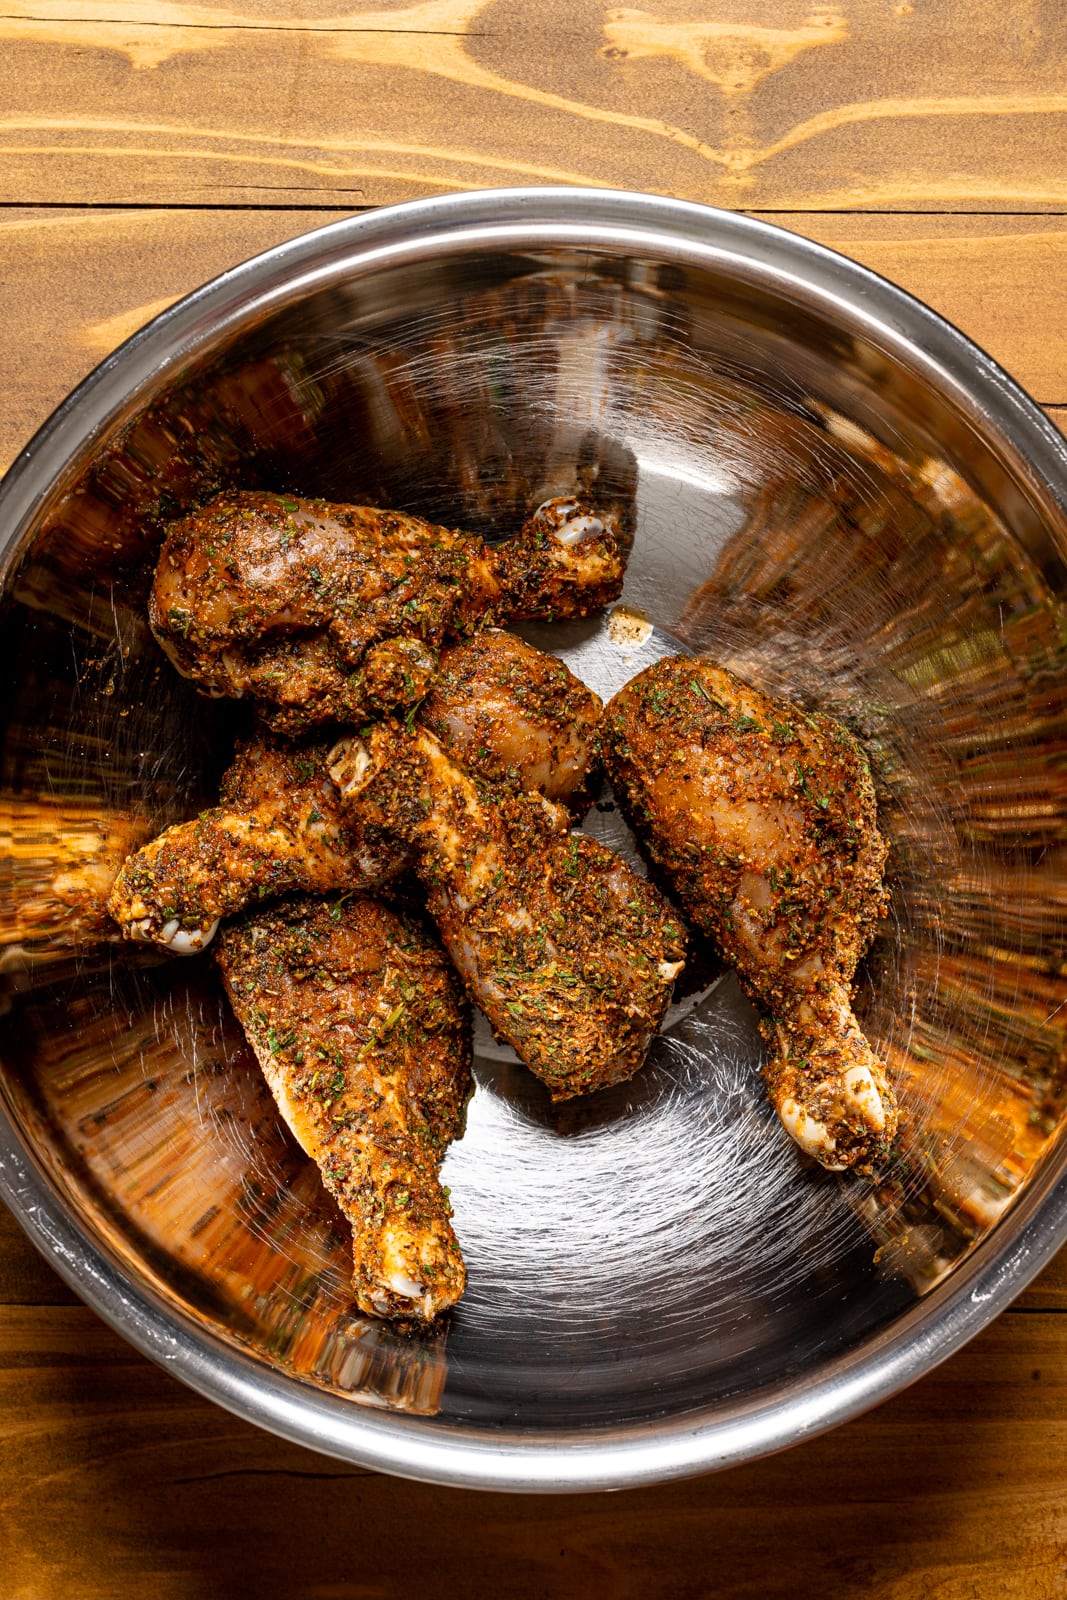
(991, 1274)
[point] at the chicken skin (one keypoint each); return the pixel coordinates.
(364, 1037)
(569, 953)
(335, 613)
(509, 712)
(762, 819)
(278, 827)
(513, 715)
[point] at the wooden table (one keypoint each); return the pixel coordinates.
(147, 144)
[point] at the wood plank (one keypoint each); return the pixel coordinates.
(26, 1279)
(962, 105)
(114, 1479)
(78, 281)
(1048, 1292)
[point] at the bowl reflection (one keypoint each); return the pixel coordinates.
(829, 491)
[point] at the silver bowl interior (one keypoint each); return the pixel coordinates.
(831, 491)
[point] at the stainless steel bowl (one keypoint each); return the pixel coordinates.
(833, 491)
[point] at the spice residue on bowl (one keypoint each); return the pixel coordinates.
(628, 626)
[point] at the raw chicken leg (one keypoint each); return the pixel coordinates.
(508, 711)
(569, 953)
(762, 818)
(336, 613)
(364, 1037)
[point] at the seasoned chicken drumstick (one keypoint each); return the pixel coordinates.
(569, 953)
(335, 613)
(508, 711)
(763, 820)
(277, 827)
(364, 1037)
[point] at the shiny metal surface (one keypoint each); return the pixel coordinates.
(833, 492)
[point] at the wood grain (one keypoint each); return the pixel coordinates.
(26, 1279)
(79, 281)
(145, 1488)
(854, 103)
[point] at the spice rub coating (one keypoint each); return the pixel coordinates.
(279, 826)
(512, 714)
(763, 820)
(363, 1035)
(325, 612)
(508, 711)
(571, 955)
